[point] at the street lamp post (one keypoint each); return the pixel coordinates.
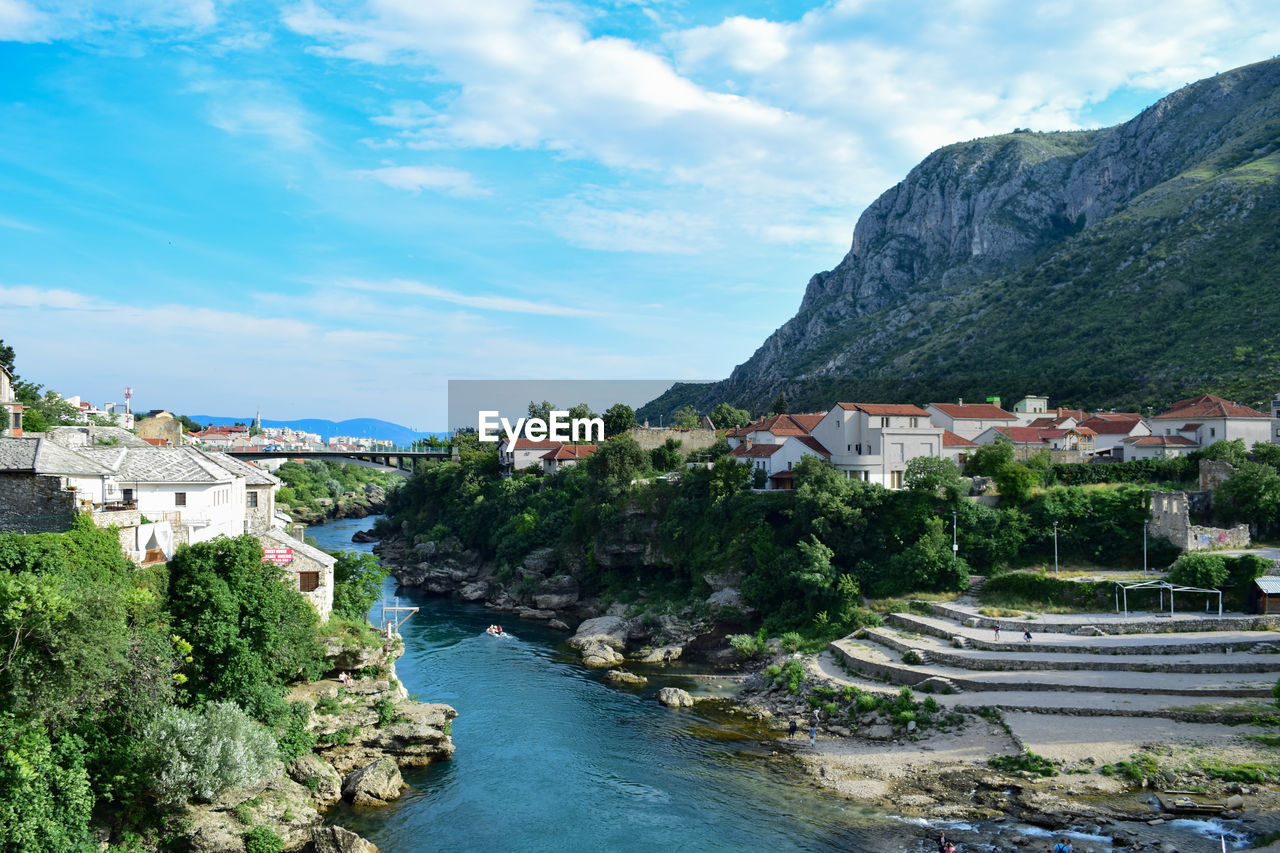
(1144, 547)
(955, 536)
(1055, 548)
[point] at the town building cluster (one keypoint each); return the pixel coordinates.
(874, 442)
(156, 498)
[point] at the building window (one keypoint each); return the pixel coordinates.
(895, 479)
(128, 494)
(308, 581)
(1212, 432)
(915, 422)
(251, 500)
(884, 422)
(179, 498)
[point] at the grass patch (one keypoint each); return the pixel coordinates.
(1253, 772)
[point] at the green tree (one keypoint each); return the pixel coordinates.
(619, 418)
(612, 468)
(6, 359)
(540, 410)
(1198, 569)
(780, 406)
(45, 798)
(1232, 452)
(686, 418)
(725, 416)
(990, 458)
(251, 633)
(357, 584)
(666, 457)
(1251, 494)
(1015, 482)
(933, 475)
(188, 424)
(929, 564)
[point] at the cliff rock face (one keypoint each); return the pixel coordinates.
(1036, 222)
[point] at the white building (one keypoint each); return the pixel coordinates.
(874, 442)
(969, 420)
(523, 453)
(1112, 428)
(778, 459)
(1207, 419)
(1155, 447)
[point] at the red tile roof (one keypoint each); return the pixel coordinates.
(158, 442)
(1209, 406)
(780, 425)
(1112, 424)
(950, 439)
(1189, 427)
(1158, 441)
(756, 451)
(809, 421)
(974, 411)
(522, 443)
(571, 451)
(814, 445)
(1024, 435)
(885, 409)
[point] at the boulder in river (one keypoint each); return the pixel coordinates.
(335, 839)
(674, 697)
(375, 784)
(600, 655)
(365, 536)
(608, 630)
(622, 676)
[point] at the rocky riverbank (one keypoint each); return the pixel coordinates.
(369, 500)
(363, 735)
(545, 588)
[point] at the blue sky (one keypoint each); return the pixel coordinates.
(329, 208)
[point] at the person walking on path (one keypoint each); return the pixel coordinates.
(996, 628)
(1026, 635)
(791, 729)
(813, 735)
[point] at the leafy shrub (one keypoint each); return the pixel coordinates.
(45, 798)
(930, 705)
(386, 712)
(294, 739)
(357, 584)
(262, 839)
(791, 641)
(912, 658)
(199, 754)
(867, 702)
(1199, 569)
(341, 737)
(1028, 761)
(747, 645)
(1254, 773)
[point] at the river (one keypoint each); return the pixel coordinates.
(550, 758)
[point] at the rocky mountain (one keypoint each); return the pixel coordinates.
(1128, 267)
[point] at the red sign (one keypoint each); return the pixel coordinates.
(278, 556)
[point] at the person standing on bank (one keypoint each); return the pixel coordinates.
(791, 729)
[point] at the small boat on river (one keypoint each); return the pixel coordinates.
(496, 631)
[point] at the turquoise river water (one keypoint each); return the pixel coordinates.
(550, 758)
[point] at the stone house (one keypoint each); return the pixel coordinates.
(159, 425)
(311, 568)
(43, 485)
(873, 442)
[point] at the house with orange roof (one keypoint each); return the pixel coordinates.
(1112, 428)
(1207, 419)
(1077, 441)
(1155, 447)
(957, 449)
(969, 420)
(565, 456)
(774, 429)
(777, 459)
(873, 442)
(522, 453)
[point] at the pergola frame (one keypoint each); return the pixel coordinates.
(1123, 587)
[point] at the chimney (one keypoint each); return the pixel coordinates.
(959, 401)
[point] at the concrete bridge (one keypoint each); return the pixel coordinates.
(399, 461)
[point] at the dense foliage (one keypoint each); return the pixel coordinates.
(357, 584)
(99, 659)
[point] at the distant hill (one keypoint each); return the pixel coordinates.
(1126, 267)
(357, 427)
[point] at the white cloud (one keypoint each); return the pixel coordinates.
(63, 19)
(417, 178)
(282, 123)
(20, 21)
(470, 300)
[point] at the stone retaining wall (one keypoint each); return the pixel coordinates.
(1166, 624)
(903, 674)
(996, 664)
(31, 503)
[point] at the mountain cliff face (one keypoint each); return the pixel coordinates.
(1125, 266)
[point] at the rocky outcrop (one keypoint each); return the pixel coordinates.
(317, 776)
(623, 677)
(335, 839)
(376, 784)
(674, 697)
(1049, 213)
